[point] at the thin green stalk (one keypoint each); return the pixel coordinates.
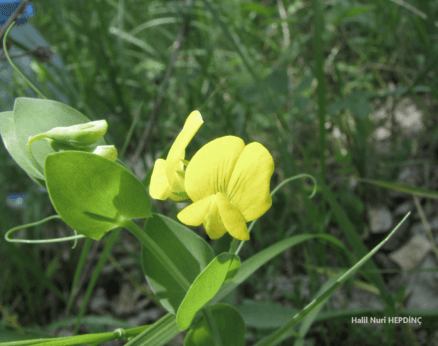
(212, 326)
(235, 241)
(41, 241)
(11, 20)
(234, 244)
(112, 238)
(318, 21)
(97, 338)
(78, 271)
(40, 94)
(153, 247)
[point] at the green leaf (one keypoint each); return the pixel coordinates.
(305, 83)
(93, 194)
(229, 323)
(205, 287)
(352, 12)
(301, 103)
(403, 188)
(234, 268)
(188, 251)
(259, 9)
(277, 80)
(360, 110)
(251, 93)
(9, 136)
(31, 117)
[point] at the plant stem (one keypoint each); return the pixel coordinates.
(212, 326)
(40, 94)
(233, 246)
(153, 247)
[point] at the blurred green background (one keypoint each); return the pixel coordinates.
(338, 89)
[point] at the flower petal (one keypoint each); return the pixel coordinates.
(196, 213)
(213, 224)
(159, 187)
(248, 188)
(232, 218)
(178, 150)
(210, 169)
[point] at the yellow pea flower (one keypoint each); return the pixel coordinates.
(229, 185)
(167, 180)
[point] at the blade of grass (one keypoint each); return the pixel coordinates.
(359, 248)
(276, 336)
(415, 191)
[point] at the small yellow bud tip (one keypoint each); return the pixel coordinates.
(167, 179)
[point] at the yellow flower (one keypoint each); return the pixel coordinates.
(229, 185)
(167, 180)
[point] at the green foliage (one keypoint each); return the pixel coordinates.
(229, 322)
(92, 194)
(31, 117)
(189, 253)
(205, 287)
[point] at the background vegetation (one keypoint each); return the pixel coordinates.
(302, 77)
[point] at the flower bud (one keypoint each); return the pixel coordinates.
(108, 151)
(80, 135)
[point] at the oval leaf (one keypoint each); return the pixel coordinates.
(92, 193)
(7, 131)
(32, 117)
(188, 251)
(229, 323)
(204, 288)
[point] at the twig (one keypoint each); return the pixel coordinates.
(159, 99)
(14, 17)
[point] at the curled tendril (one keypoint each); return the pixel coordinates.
(304, 175)
(40, 94)
(41, 241)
